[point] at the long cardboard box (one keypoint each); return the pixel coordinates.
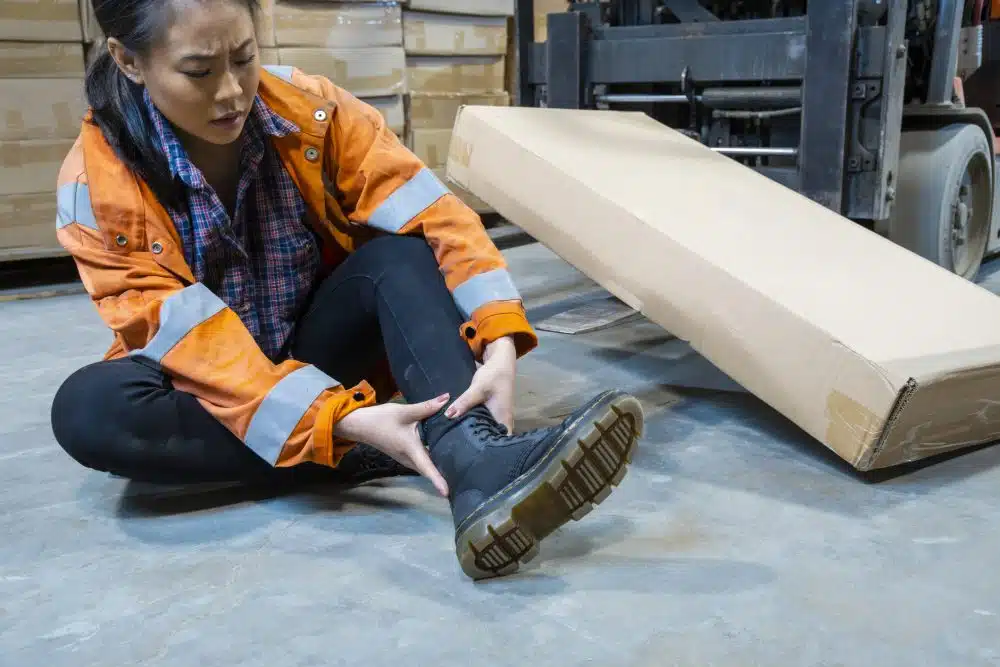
(41, 108)
(425, 33)
(455, 74)
(28, 226)
(40, 21)
(365, 72)
(31, 166)
(476, 7)
(471, 200)
(337, 24)
(438, 110)
(37, 60)
(877, 353)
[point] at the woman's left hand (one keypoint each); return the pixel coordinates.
(493, 384)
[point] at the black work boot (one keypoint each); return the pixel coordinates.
(508, 492)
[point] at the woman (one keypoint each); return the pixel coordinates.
(275, 267)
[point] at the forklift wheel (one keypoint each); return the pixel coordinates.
(944, 196)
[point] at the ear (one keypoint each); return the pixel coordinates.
(125, 60)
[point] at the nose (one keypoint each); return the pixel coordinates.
(229, 87)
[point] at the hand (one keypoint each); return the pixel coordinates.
(493, 384)
(393, 429)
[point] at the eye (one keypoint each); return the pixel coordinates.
(200, 74)
(246, 61)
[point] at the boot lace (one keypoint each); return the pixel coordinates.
(485, 427)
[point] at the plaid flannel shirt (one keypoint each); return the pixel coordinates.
(263, 262)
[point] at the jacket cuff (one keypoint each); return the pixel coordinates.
(342, 404)
(496, 320)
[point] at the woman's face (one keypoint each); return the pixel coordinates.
(203, 75)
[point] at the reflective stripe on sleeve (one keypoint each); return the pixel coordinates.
(179, 314)
(477, 291)
(73, 205)
(282, 409)
(408, 201)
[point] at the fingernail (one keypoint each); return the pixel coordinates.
(450, 412)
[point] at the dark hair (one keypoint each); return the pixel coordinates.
(117, 102)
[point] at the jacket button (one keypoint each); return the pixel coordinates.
(121, 239)
(319, 115)
(312, 154)
(157, 247)
(470, 332)
(358, 396)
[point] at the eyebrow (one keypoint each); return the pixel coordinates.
(209, 56)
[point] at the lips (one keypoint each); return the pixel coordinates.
(229, 119)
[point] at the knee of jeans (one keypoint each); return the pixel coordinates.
(81, 413)
(395, 252)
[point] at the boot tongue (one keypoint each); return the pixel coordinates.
(437, 426)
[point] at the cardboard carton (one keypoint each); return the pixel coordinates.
(431, 146)
(31, 166)
(476, 7)
(438, 110)
(367, 72)
(337, 24)
(37, 60)
(392, 109)
(265, 24)
(40, 21)
(455, 74)
(41, 108)
(88, 22)
(28, 226)
(454, 34)
(879, 354)
(541, 14)
(269, 56)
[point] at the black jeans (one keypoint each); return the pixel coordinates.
(386, 299)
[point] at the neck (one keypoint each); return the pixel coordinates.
(217, 163)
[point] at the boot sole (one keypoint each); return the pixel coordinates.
(577, 474)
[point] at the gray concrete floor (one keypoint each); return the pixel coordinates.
(735, 540)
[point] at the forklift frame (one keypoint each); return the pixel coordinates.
(841, 67)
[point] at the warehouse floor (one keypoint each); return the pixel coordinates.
(735, 541)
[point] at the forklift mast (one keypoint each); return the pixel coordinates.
(814, 95)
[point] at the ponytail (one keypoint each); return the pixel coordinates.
(119, 111)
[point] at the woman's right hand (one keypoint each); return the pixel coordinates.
(393, 428)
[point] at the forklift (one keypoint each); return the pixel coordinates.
(881, 110)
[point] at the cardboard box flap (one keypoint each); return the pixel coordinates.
(845, 333)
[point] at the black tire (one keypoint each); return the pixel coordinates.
(944, 196)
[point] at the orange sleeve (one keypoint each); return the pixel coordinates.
(283, 412)
(382, 184)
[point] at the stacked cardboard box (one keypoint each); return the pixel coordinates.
(455, 55)
(358, 45)
(41, 106)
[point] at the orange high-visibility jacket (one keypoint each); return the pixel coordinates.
(358, 181)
